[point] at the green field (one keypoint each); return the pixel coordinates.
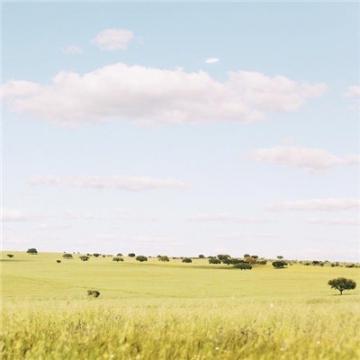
(173, 310)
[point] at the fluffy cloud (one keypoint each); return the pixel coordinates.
(211, 60)
(148, 95)
(302, 157)
(72, 50)
(7, 215)
(351, 222)
(224, 217)
(319, 204)
(130, 183)
(353, 92)
(113, 39)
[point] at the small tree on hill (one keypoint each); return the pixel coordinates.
(243, 266)
(342, 284)
(279, 264)
(163, 258)
(187, 260)
(141, 258)
(32, 251)
(214, 260)
(117, 258)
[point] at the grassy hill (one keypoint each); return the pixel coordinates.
(172, 310)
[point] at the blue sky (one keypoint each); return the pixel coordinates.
(255, 152)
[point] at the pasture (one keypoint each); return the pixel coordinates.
(156, 310)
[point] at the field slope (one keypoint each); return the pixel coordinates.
(173, 310)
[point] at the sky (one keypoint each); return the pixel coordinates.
(181, 129)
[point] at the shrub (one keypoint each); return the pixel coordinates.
(223, 257)
(58, 261)
(117, 258)
(67, 256)
(279, 264)
(214, 260)
(280, 257)
(201, 256)
(350, 265)
(131, 255)
(342, 284)
(32, 251)
(262, 262)
(96, 254)
(84, 258)
(187, 260)
(10, 255)
(243, 266)
(119, 254)
(141, 258)
(93, 293)
(163, 258)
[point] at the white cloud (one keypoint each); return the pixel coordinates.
(72, 50)
(302, 157)
(353, 92)
(130, 183)
(351, 222)
(147, 95)
(225, 217)
(113, 39)
(7, 215)
(212, 60)
(331, 204)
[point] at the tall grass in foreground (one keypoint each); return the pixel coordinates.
(182, 329)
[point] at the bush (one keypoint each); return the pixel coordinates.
(119, 254)
(10, 255)
(243, 266)
(58, 261)
(67, 256)
(214, 260)
(131, 255)
(96, 254)
(201, 256)
(350, 265)
(93, 293)
(187, 260)
(84, 258)
(32, 251)
(223, 257)
(141, 258)
(342, 284)
(163, 258)
(262, 262)
(279, 264)
(117, 258)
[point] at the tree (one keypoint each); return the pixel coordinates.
(141, 258)
(84, 258)
(187, 260)
(280, 264)
(214, 260)
(280, 257)
(67, 256)
(119, 254)
(96, 254)
(93, 293)
(163, 258)
(243, 266)
(32, 251)
(201, 256)
(342, 284)
(117, 258)
(131, 255)
(10, 255)
(58, 261)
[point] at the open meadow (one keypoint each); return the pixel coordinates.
(156, 310)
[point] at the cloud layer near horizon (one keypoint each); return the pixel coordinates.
(129, 183)
(152, 95)
(329, 204)
(302, 157)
